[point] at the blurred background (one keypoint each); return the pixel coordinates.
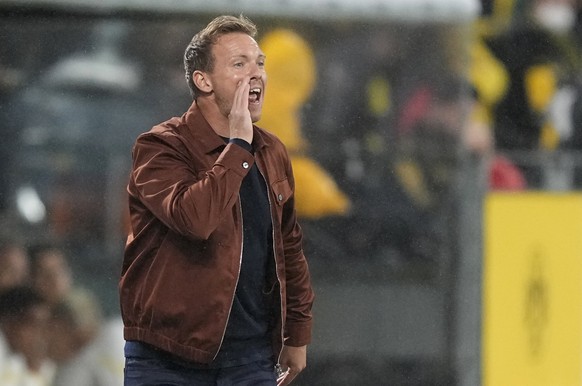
(437, 156)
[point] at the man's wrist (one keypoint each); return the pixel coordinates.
(242, 143)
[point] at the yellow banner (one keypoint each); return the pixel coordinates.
(532, 290)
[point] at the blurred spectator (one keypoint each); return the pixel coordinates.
(14, 264)
(23, 328)
(291, 68)
(75, 343)
(51, 273)
(52, 276)
(505, 175)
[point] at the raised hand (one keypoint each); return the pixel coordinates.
(239, 119)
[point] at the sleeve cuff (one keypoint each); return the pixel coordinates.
(242, 143)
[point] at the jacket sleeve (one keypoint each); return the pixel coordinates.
(190, 202)
(299, 293)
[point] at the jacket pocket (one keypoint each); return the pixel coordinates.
(281, 191)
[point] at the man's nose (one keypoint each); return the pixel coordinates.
(256, 72)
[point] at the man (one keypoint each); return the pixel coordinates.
(215, 288)
(24, 318)
(77, 328)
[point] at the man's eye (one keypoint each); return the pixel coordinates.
(239, 64)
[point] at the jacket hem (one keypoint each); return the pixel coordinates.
(164, 343)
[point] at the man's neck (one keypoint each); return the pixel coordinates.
(214, 117)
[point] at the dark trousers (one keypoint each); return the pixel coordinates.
(159, 372)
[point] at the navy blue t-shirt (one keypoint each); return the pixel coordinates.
(247, 335)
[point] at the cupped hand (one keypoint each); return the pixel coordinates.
(239, 119)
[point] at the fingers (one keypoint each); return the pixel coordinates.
(240, 122)
(294, 359)
(290, 374)
(241, 96)
(289, 378)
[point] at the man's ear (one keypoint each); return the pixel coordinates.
(201, 81)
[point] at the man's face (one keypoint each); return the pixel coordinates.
(14, 267)
(236, 56)
(53, 276)
(28, 335)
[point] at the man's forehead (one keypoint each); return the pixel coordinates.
(236, 41)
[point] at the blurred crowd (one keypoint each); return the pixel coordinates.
(52, 331)
(398, 118)
(375, 118)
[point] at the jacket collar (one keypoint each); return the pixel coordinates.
(201, 132)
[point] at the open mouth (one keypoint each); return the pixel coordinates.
(255, 95)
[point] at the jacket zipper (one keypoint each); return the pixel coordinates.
(275, 258)
(237, 278)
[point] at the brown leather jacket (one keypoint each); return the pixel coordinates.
(183, 253)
